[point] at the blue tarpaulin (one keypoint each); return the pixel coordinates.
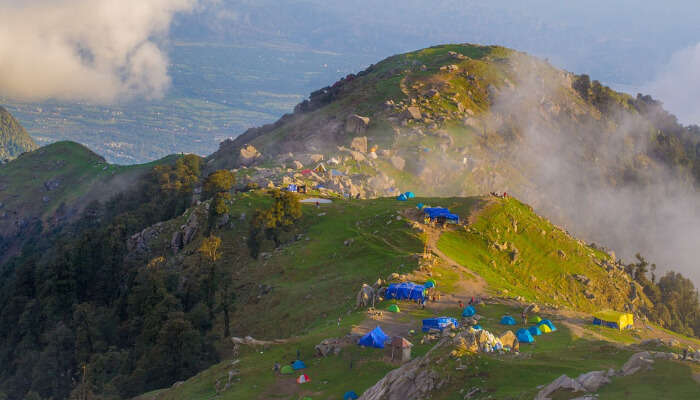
(469, 311)
(298, 364)
(440, 212)
(405, 291)
(439, 323)
(375, 338)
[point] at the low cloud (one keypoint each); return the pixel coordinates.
(85, 50)
(678, 85)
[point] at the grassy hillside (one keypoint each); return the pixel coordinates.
(14, 140)
(293, 296)
(53, 184)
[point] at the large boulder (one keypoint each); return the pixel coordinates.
(508, 339)
(248, 154)
(561, 383)
(359, 144)
(356, 124)
(638, 362)
(592, 381)
(414, 380)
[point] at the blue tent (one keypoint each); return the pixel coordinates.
(428, 284)
(350, 395)
(439, 323)
(524, 336)
(441, 212)
(535, 331)
(477, 327)
(298, 364)
(508, 320)
(468, 311)
(409, 195)
(402, 197)
(548, 323)
(419, 206)
(375, 338)
(405, 291)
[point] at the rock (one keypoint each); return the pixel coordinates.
(414, 380)
(329, 347)
(359, 144)
(639, 361)
(561, 383)
(297, 164)
(317, 157)
(398, 162)
(432, 93)
(414, 113)
(508, 339)
(248, 154)
(356, 124)
(582, 278)
(592, 381)
(561, 254)
(348, 242)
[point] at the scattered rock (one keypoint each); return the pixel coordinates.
(356, 124)
(638, 362)
(317, 157)
(414, 113)
(348, 242)
(561, 383)
(52, 184)
(561, 254)
(297, 164)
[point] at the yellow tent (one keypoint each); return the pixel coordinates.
(545, 329)
(613, 319)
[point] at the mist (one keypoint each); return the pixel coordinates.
(678, 85)
(85, 50)
(600, 184)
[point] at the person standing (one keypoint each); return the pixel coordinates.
(524, 318)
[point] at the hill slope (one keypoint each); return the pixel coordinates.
(51, 186)
(467, 119)
(14, 140)
(292, 299)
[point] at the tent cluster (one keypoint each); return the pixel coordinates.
(527, 335)
(439, 323)
(405, 196)
(613, 319)
(440, 214)
(405, 291)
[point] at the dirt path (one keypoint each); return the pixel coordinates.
(393, 324)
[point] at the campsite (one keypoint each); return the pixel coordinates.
(575, 345)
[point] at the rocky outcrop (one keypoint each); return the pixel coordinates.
(248, 154)
(185, 234)
(138, 242)
(398, 162)
(414, 380)
(413, 112)
(356, 124)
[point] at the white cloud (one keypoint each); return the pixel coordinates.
(91, 50)
(678, 85)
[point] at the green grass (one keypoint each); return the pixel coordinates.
(539, 273)
(667, 380)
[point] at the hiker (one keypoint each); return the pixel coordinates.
(298, 355)
(505, 195)
(685, 353)
(524, 318)
(276, 367)
(471, 301)
(423, 302)
(461, 305)
(338, 322)
(318, 205)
